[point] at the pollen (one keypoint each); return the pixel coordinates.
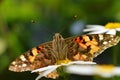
(63, 61)
(112, 25)
(105, 68)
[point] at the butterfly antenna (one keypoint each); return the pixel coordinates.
(66, 25)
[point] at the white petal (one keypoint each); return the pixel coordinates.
(46, 72)
(117, 71)
(118, 29)
(82, 70)
(98, 32)
(112, 31)
(93, 70)
(78, 62)
(106, 75)
(82, 62)
(93, 29)
(113, 72)
(45, 68)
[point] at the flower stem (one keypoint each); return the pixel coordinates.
(115, 51)
(64, 76)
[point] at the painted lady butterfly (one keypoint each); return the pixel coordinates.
(85, 48)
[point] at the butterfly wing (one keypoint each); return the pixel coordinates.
(43, 55)
(86, 47)
(37, 57)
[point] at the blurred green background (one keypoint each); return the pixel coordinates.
(27, 23)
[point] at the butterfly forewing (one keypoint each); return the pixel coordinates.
(37, 57)
(86, 47)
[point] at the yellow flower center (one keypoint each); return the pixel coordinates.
(112, 25)
(105, 68)
(63, 61)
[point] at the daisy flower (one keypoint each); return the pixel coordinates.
(110, 28)
(47, 71)
(105, 71)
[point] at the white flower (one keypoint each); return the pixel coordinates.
(105, 71)
(46, 70)
(110, 28)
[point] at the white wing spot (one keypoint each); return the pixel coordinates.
(22, 57)
(105, 42)
(19, 66)
(24, 65)
(13, 62)
(109, 41)
(100, 37)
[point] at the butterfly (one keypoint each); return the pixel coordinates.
(77, 48)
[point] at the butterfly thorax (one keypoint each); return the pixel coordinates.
(60, 49)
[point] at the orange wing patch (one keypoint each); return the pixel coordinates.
(34, 53)
(79, 56)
